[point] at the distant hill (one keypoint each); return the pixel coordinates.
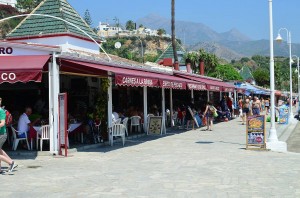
(227, 45)
(191, 32)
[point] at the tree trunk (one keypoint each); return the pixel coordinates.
(173, 31)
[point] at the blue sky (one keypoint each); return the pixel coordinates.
(251, 17)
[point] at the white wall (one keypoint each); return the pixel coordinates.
(66, 42)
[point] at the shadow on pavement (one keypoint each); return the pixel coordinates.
(204, 142)
(104, 148)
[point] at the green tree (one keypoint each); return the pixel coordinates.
(226, 72)
(173, 30)
(193, 59)
(245, 59)
(8, 25)
(87, 17)
(161, 31)
(210, 61)
(27, 5)
(261, 77)
(141, 26)
(130, 25)
(261, 61)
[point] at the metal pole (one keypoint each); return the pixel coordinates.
(171, 106)
(298, 84)
(109, 107)
(142, 48)
(163, 109)
(272, 133)
(291, 116)
(145, 109)
(56, 90)
(51, 117)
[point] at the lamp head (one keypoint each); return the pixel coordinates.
(279, 38)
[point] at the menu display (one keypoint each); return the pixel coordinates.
(256, 131)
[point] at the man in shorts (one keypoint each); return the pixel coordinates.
(246, 109)
(3, 136)
(256, 106)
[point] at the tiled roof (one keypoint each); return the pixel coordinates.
(246, 73)
(168, 53)
(41, 25)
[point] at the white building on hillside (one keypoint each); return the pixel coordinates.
(9, 2)
(106, 30)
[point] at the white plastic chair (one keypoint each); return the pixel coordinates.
(135, 121)
(124, 122)
(16, 139)
(45, 135)
(118, 130)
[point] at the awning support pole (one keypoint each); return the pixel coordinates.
(171, 107)
(56, 90)
(192, 96)
(208, 95)
(163, 105)
(109, 107)
(235, 99)
(145, 95)
(51, 117)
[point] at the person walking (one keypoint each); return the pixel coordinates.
(246, 109)
(3, 136)
(267, 105)
(209, 113)
(256, 106)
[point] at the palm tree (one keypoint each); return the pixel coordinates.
(173, 30)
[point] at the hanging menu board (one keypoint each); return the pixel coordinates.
(256, 132)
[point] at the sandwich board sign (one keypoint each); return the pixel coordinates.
(256, 132)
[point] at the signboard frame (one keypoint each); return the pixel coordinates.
(256, 129)
(155, 125)
(63, 123)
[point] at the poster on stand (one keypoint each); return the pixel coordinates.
(283, 115)
(256, 132)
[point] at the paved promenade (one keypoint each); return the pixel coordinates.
(187, 164)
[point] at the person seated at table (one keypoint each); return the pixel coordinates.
(24, 123)
(121, 114)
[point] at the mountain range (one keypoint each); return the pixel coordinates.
(227, 45)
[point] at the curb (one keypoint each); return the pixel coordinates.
(287, 131)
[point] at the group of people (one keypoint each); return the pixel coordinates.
(223, 110)
(255, 106)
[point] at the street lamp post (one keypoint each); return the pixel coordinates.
(289, 42)
(142, 48)
(272, 142)
(298, 75)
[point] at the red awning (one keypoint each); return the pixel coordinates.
(212, 85)
(125, 76)
(22, 68)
